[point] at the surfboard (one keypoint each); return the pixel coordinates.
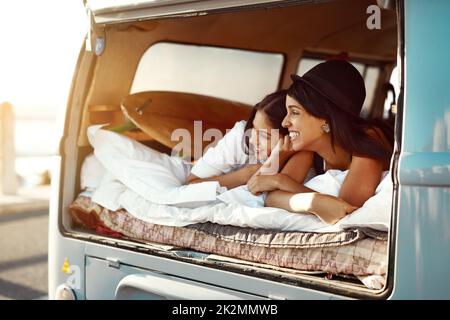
(160, 113)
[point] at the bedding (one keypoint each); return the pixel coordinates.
(375, 212)
(153, 175)
(149, 185)
(358, 252)
(134, 192)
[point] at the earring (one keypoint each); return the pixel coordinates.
(326, 128)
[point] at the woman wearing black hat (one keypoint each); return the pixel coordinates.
(323, 110)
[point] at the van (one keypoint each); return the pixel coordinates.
(239, 51)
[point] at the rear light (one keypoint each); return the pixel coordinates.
(64, 292)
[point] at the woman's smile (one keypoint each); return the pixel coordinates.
(293, 135)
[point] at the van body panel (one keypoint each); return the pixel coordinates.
(61, 248)
(423, 227)
(105, 280)
(423, 242)
(427, 46)
(98, 280)
(217, 277)
(425, 169)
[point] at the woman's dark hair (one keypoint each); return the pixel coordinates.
(274, 107)
(347, 129)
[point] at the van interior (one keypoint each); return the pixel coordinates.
(238, 55)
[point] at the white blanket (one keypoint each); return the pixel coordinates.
(149, 185)
(376, 211)
(155, 176)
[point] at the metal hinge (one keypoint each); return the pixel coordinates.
(113, 263)
(94, 32)
(275, 297)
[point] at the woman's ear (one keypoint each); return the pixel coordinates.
(326, 127)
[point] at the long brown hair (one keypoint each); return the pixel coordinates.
(347, 129)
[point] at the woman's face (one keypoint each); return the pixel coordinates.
(263, 137)
(304, 129)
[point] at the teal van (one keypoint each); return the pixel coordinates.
(401, 48)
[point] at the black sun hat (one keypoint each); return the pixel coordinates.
(339, 81)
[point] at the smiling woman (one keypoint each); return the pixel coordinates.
(323, 117)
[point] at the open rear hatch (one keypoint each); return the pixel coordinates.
(120, 27)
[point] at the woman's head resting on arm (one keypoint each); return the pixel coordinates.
(264, 126)
(323, 108)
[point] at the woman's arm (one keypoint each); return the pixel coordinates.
(290, 178)
(285, 182)
(364, 174)
(359, 185)
(363, 177)
(282, 199)
(279, 156)
(293, 174)
(221, 158)
(231, 179)
(328, 208)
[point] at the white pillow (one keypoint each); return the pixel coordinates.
(92, 173)
(375, 212)
(242, 195)
(155, 176)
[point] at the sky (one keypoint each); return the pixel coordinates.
(39, 45)
(39, 42)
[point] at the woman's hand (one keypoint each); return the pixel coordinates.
(229, 180)
(278, 157)
(330, 209)
(260, 183)
(285, 150)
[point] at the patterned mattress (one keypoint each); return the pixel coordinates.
(358, 252)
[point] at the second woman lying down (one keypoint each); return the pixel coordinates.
(247, 149)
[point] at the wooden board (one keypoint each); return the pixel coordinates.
(160, 113)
